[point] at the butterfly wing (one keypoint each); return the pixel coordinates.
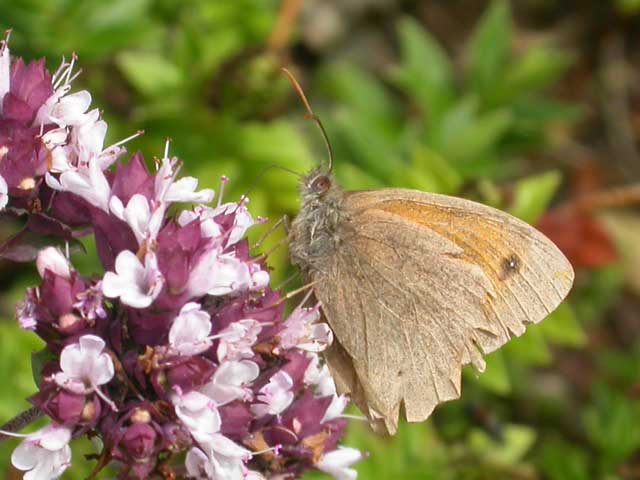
(423, 284)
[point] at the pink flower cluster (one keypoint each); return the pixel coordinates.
(178, 357)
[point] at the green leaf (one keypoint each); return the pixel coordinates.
(530, 348)
(429, 172)
(516, 442)
(366, 96)
(628, 7)
(425, 71)
(563, 461)
(496, 376)
(38, 361)
(475, 136)
(533, 194)
(610, 424)
(535, 69)
(150, 73)
(563, 328)
(488, 50)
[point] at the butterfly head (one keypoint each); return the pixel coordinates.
(317, 184)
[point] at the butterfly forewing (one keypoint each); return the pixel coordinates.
(422, 284)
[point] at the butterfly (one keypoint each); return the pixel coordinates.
(416, 285)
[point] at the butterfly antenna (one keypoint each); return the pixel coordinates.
(262, 173)
(310, 115)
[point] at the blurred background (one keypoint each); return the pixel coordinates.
(532, 106)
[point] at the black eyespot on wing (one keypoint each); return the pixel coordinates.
(510, 265)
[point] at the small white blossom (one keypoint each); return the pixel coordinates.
(53, 259)
(230, 381)
(242, 219)
(208, 227)
(198, 413)
(223, 458)
(218, 274)
(335, 408)
(64, 110)
(319, 376)
(189, 334)
(302, 331)
(338, 461)
(84, 365)
(275, 396)
(168, 189)
(237, 340)
(44, 454)
(145, 221)
(136, 284)
(198, 465)
(88, 183)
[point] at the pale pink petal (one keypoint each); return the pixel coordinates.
(5, 72)
(53, 259)
(4, 193)
(337, 463)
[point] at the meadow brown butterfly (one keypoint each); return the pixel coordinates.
(416, 285)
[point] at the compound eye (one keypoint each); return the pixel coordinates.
(321, 184)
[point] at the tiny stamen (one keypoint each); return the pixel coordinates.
(5, 43)
(223, 180)
(354, 417)
(13, 434)
(275, 449)
(74, 57)
(139, 133)
(104, 397)
(75, 75)
(166, 147)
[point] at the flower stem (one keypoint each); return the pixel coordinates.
(20, 421)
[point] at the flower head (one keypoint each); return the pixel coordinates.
(135, 283)
(44, 454)
(274, 397)
(178, 349)
(84, 365)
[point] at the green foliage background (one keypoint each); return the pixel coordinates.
(471, 119)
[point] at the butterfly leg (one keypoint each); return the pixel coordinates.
(284, 222)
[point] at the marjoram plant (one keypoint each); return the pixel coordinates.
(178, 358)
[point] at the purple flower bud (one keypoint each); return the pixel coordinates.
(59, 294)
(236, 419)
(62, 406)
(132, 178)
(190, 373)
(296, 367)
(176, 437)
(112, 236)
(23, 161)
(149, 328)
(30, 87)
(139, 441)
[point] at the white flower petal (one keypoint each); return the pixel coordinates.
(4, 192)
(5, 72)
(52, 259)
(337, 463)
